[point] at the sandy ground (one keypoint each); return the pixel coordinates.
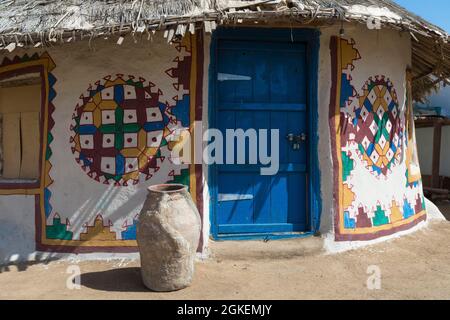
(416, 266)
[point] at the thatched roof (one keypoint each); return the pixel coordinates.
(41, 16)
(43, 22)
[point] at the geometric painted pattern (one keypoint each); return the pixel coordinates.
(372, 133)
(378, 126)
(113, 126)
(118, 130)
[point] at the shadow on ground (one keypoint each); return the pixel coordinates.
(24, 265)
(119, 280)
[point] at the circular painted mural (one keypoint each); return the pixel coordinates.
(119, 129)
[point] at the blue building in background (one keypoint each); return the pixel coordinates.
(438, 104)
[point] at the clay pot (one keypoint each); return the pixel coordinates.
(168, 233)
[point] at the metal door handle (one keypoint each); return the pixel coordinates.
(295, 140)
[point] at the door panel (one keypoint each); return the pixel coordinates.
(262, 85)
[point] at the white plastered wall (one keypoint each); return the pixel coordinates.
(17, 231)
(75, 195)
(384, 52)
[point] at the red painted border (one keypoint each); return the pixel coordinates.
(332, 114)
(333, 101)
(198, 174)
(198, 117)
(379, 234)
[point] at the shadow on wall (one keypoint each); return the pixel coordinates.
(119, 280)
(18, 247)
(16, 243)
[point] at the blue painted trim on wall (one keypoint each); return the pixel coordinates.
(312, 39)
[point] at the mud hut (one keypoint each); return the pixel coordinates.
(96, 95)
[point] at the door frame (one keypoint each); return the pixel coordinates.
(311, 37)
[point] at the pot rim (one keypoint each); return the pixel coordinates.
(167, 188)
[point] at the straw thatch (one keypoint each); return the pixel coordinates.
(47, 22)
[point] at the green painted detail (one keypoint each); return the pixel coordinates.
(183, 178)
(163, 142)
(58, 231)
(361, 149)
(49, 138)
(138, 84)
(48, 153)
(407, 175)
(380, 218)
(119, 128)
(113, 177)
(347, 165)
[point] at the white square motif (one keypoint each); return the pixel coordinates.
(154, 138)
(108, 117)
(87, 141)
(129, 92)
(129, 116)
(86, 118)
(108, 93)
(108, 165)
(130, 140)
(131, 164)
(108, 140)
(153, 115)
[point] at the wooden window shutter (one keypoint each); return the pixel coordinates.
(30, 136)
(20, 108)
(11, 146)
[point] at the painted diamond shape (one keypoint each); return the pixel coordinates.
(373, 127)
(380, 112)
(390, 154)
(365, 143)
(372, 97)
(382, 142)
(364, 113)
(374, 157)
(389, 126)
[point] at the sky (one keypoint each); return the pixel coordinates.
(435, 11)
(438, 13)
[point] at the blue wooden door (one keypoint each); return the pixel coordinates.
(262, 85)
